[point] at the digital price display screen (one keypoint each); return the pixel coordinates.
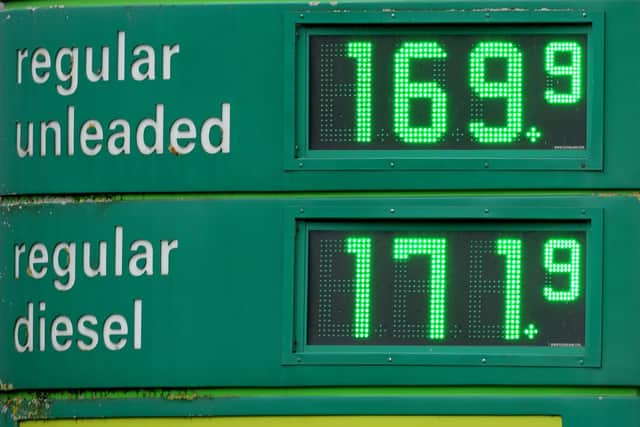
(413, 89)
(477, 287)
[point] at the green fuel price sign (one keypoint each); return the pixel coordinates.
(397, 286)
(448, 90)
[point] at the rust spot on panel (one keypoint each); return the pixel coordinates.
(634, 194)
(26, 407)
(21, 202)
(181, 395)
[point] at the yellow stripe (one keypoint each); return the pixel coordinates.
(311, 421)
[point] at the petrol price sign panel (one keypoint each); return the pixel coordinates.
(445, 99)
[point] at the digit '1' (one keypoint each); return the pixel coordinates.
(361, 52)
(512, 250)
(361, 248)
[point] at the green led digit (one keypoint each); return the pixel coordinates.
(361, 52)
(512, 250)
(572, 70)
(361, 248)
(405, 90)
(511, 89)
(436, 248)
(572, 268)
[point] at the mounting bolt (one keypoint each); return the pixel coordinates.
(389, 359)
(392, 165)
(300, 164)
(392, 211)
(301, 210)
(486, 211)
(584, 14)
(484, 360)
(486, 165)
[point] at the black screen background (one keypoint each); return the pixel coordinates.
(332, 94)
(474, 294)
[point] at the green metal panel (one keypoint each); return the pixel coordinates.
(215, 309)
(244, 55)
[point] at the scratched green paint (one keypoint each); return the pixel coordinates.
(591, 407)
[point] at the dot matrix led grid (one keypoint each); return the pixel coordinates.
(481, 286)
(572, 268)
(511, 90)
(573, 71)
(448, 91)
(405, 90)
(403, 247)
(361, 52)
(448, 288)
(361, 248)
(330, 286)
(512, 250)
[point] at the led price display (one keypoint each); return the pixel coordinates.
(421, 90)
(446, 287)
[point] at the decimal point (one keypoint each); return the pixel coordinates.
(531, 331)
(534, 134)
